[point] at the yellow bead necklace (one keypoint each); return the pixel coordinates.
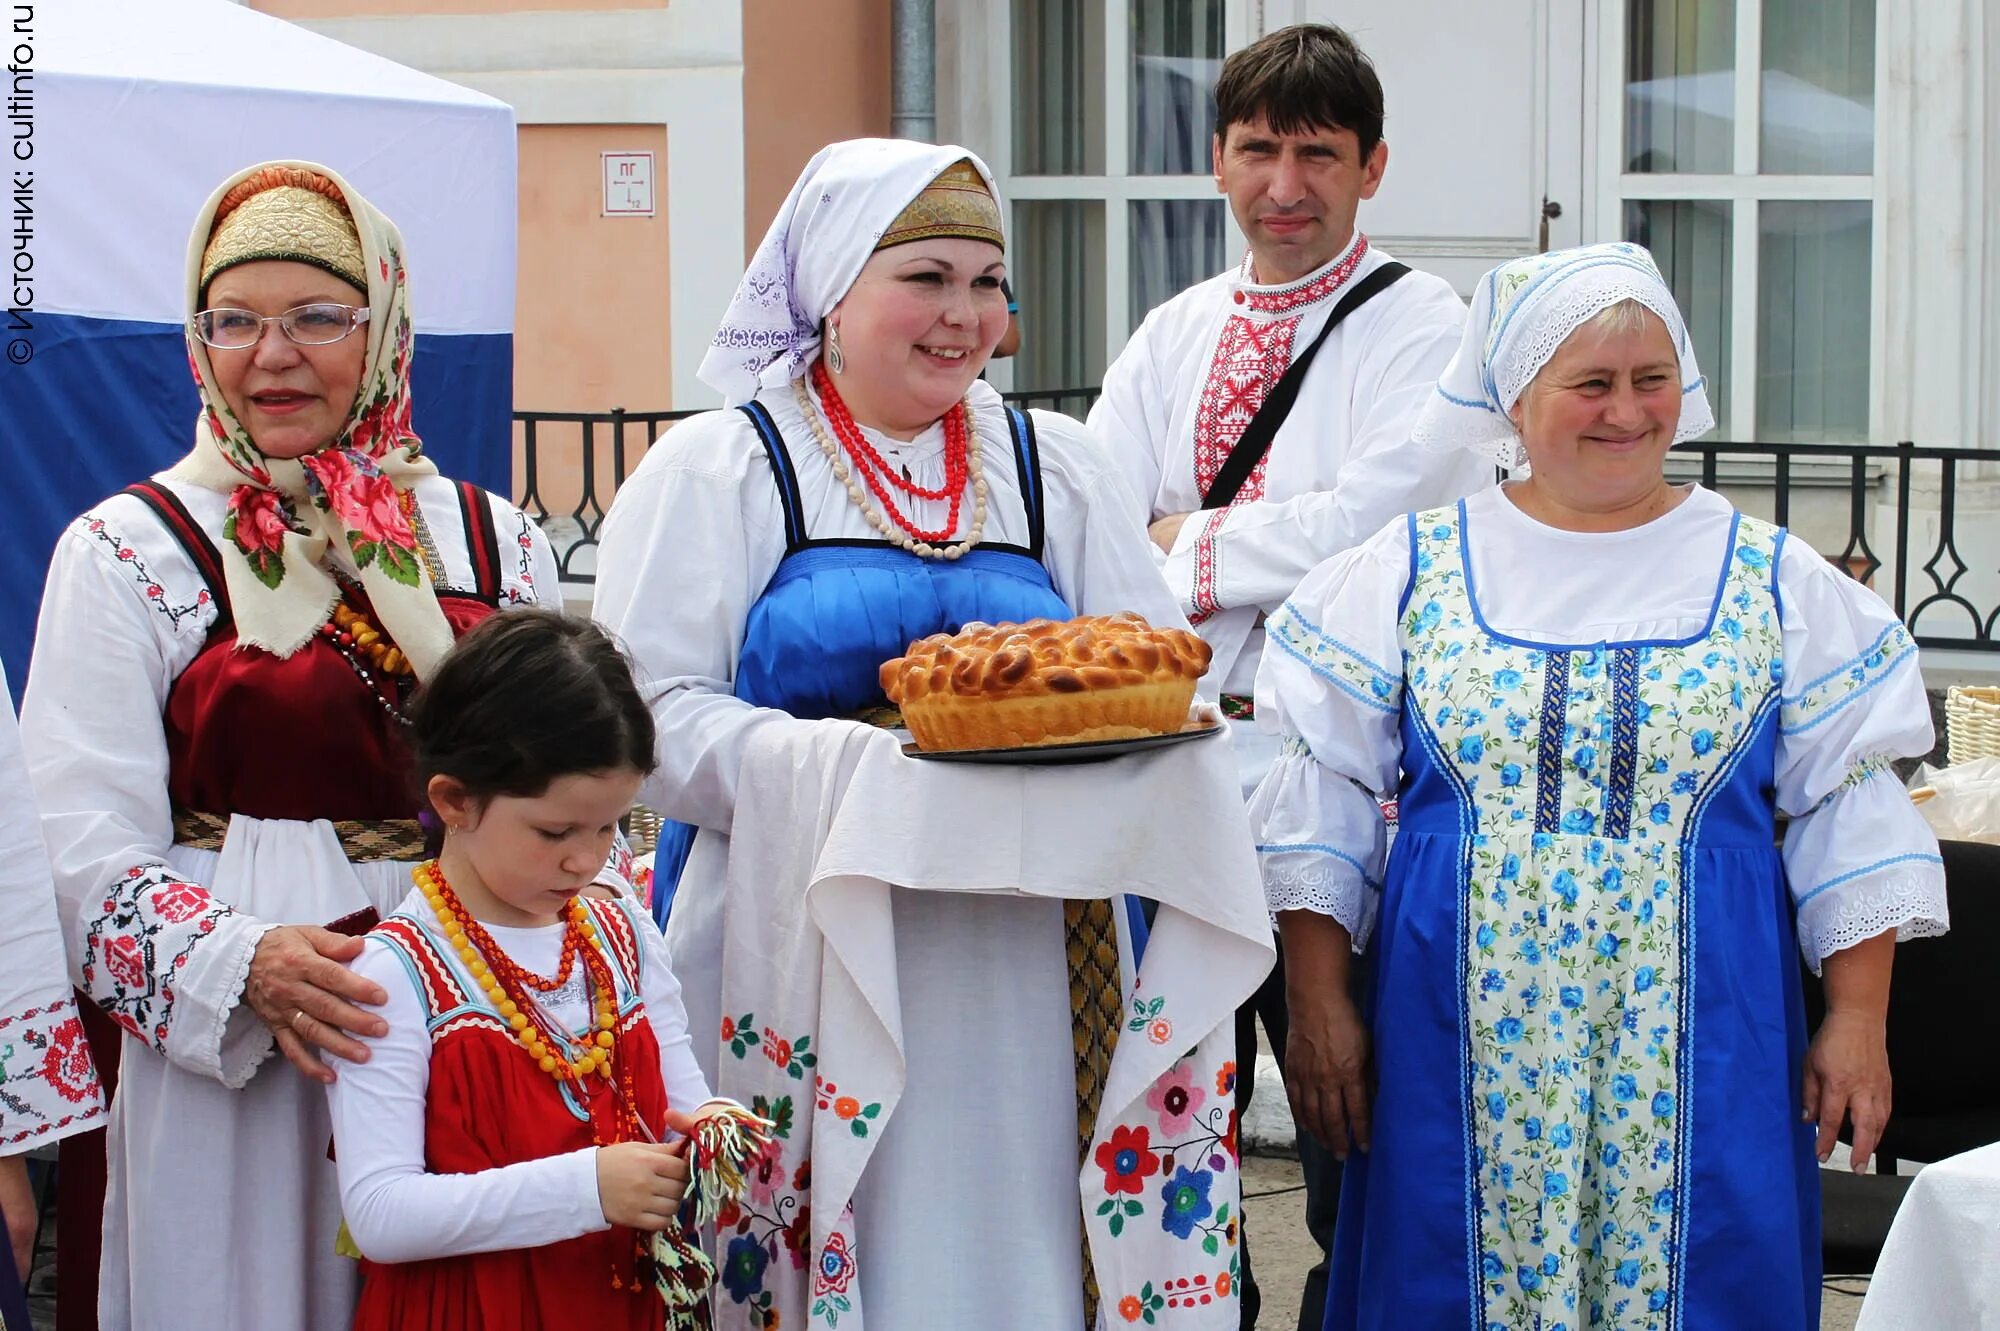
(507, 985)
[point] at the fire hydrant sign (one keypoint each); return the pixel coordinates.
(628, 184)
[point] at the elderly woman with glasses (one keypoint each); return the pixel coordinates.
(1592, 1099)
(214, 725)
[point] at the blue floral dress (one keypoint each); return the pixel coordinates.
(1585, 997)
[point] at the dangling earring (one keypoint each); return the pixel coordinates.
(834, 360)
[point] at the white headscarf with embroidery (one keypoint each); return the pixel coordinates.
(1522, 312)
(849, 194)
(344, 503)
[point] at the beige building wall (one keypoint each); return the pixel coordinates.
(814, 72)
(732, 97)
(591, 299)
(591, 293)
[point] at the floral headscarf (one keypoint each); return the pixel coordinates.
(346, 501)
(1522, 311)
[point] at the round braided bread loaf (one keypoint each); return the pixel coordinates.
(1044, 682)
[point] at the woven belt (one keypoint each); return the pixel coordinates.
(1239, 706)
(363, 841)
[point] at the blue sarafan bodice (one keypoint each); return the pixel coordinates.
(833, 613)
(835, 610)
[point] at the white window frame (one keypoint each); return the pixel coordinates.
(1745, 190)
(1117, 188)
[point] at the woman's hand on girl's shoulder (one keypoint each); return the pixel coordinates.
(299, 984)
(640, 1184)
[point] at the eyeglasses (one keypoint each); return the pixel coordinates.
(305, 325)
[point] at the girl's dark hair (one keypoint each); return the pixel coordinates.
(527, 697)
(1310, 76)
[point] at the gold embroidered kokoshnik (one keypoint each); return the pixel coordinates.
(1096, 1009)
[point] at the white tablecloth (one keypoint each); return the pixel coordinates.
(894, 987)
(1940, 1269)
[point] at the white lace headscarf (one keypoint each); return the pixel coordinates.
(1522, 312)
(843, 201)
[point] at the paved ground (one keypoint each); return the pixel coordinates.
(1275, 1205)
(1284, 1252)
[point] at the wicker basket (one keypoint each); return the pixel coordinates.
(642, 829)
(1972, 724)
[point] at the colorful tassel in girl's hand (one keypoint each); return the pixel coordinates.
(723, 1139)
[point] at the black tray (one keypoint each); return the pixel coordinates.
(1080, 751)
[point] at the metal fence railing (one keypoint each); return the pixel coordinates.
(1886, 514)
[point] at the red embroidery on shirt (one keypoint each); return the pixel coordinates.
(1307, 290)
(46, 1074)
(1250, 357)
(1207, 560)
(148, 924)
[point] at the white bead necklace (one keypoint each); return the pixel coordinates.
(895, 535)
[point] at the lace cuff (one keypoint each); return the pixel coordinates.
(1322, 880)
(1904, 892)
(213, 1031)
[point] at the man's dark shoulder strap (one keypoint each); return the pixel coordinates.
(1263, 427)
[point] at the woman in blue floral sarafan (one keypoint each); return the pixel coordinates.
(1580, 1074)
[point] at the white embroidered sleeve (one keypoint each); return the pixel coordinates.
(158, 953)
(48, 1084)
(679, 566)
(1859, 858)
(1336, 698)
(1320, 841)
(1193, 568)
(1264, 548)
(530, 573)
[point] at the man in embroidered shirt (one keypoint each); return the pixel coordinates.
(1298, 147)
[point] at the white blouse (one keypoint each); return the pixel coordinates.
(48, 1084)
(1858, 856)
(162, 933)
(697, 532)
(396, 1211)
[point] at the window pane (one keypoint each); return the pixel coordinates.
(1058, 88)
(1175, 244)
(1057, 272)
(1176, 56)
(1813, 321)
(1680, 86)
(1691, 243)
(1818, 87)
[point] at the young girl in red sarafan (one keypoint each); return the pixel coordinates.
(507, 1150)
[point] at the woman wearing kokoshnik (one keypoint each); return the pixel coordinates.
(941, 1146)
(213, 722)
